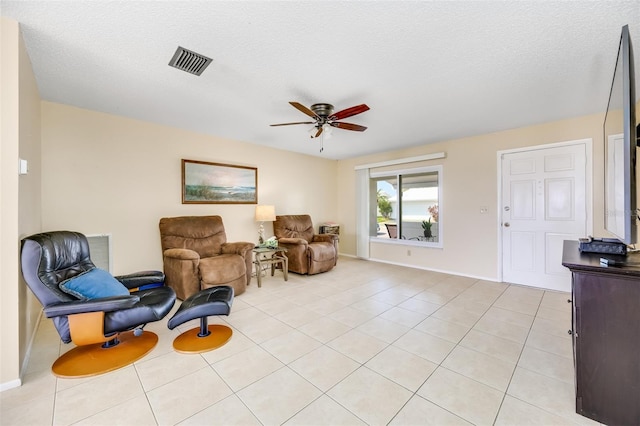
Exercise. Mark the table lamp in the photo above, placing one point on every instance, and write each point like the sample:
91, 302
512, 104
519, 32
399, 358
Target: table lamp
264, 213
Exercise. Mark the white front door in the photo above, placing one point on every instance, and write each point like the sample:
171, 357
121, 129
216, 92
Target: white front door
543, 204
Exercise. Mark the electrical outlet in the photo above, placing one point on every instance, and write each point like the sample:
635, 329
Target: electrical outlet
408, 252
484, 209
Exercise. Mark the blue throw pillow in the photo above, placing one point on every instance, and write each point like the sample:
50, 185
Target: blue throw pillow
93, 284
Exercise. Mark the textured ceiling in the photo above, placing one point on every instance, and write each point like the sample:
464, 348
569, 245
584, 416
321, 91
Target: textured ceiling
429, 70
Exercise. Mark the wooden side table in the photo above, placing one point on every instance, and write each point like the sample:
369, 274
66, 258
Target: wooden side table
265, 256
330, 229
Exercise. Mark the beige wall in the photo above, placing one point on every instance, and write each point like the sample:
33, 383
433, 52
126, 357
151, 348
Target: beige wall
98, 173
470, 180
20, 199
108, 174
29, 187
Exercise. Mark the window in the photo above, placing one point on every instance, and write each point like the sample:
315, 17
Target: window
393, 179
407, 205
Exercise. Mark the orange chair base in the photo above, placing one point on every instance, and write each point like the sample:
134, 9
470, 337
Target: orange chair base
91, 360
189, 342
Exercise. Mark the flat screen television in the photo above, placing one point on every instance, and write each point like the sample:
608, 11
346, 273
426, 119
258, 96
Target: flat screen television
620, 141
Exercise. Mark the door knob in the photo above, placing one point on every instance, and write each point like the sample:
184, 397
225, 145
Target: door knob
507, 224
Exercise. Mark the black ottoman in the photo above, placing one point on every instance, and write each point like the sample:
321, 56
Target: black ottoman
212, 301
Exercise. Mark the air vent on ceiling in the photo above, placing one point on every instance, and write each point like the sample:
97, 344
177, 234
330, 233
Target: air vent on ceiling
188, 61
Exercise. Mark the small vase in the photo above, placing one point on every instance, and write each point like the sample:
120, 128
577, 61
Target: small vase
427, 233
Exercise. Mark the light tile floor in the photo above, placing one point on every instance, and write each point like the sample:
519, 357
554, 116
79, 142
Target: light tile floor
366, 343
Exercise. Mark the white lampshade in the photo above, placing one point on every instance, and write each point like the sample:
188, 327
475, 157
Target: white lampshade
265, 213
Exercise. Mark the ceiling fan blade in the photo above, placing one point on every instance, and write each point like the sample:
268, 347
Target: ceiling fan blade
289, 124
304, 109
348, 126
349, 112
319, 132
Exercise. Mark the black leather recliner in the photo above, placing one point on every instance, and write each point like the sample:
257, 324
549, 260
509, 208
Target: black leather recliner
53, 258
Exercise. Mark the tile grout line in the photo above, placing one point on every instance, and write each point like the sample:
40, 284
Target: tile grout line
524, 344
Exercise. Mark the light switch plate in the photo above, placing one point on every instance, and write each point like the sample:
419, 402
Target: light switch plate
23, 167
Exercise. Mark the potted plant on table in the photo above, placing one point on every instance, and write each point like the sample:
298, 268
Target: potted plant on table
426, 227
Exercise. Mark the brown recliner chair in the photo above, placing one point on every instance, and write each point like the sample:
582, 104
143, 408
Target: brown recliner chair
308, 252
197, 256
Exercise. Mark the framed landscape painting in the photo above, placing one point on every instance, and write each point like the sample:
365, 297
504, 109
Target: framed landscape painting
215, 183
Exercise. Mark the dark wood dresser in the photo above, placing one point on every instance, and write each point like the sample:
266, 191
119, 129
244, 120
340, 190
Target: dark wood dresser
606, 335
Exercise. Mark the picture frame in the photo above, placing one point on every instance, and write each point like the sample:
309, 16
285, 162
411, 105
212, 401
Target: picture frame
217, 183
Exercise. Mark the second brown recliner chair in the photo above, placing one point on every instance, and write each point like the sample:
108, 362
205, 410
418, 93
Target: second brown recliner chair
308, 252
196, 255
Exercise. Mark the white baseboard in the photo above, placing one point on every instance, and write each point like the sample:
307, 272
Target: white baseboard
10, 385
27, 356
347, 255
492, 279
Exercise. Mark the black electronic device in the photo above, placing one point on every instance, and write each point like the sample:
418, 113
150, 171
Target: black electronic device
602, 245
620, 139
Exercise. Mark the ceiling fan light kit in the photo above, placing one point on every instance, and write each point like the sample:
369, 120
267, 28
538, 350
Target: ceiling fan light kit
324, 118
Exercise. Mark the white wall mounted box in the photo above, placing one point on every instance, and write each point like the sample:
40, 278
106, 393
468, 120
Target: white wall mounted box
23, 167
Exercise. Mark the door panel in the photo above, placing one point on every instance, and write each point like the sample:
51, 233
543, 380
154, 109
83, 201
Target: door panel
544, 203
557, 163
523, 199
553, 252
560, 197
524, 258
522, 166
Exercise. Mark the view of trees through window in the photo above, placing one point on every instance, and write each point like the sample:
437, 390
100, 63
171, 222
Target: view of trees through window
407, 205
